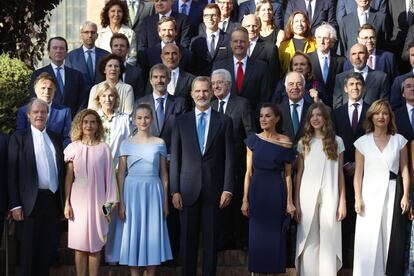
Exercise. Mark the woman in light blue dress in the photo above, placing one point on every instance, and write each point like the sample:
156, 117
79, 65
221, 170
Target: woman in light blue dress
143, 182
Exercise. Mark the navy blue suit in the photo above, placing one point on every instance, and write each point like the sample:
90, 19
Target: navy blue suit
58, 121
344, 7
384, 61
194, 17
396, 98
249, 7
76, 60
403, 123
148, 32
3, 180
324, 12
134, 76
74, 96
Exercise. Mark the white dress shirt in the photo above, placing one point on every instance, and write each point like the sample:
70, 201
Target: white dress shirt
155, 96
252, 44
167, 14
175, 73
225, 100
351, 108
187, 9
93, 55
410, 109
207, 117
321, 57
363, 72
216, 38
312, 7
299, 108
362, 15
235, 60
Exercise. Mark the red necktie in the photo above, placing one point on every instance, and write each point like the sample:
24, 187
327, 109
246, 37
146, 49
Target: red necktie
240, 76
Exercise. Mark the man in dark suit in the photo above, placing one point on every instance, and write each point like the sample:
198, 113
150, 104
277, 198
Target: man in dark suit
139, 10
35, 183
376, 82
348, 121
353, 21
71, 86
318, 12
210, 46
233, 230
344, 7
228, 17
401, 20
180, 84
147, 34
396, 99
294, 109
194, 12
404, 116
378, 59
201, 176
86, 58
325, 63
249, 76
59, 118
167, 31
249, 7
3, 181
261, 50
133, 75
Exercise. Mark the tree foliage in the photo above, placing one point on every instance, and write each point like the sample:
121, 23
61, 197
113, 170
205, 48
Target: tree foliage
23, 28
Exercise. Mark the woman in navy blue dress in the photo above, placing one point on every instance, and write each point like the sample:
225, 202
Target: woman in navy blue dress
267, 199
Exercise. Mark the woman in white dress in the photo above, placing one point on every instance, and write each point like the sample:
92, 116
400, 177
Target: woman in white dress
320, 196
380, 154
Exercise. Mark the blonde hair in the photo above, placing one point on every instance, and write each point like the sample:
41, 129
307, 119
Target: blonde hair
102, 88
375, 108
76, 132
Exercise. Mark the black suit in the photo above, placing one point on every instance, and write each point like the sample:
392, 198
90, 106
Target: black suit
229, 27
268, 53
376, 87
342, 124
234, 225
287, 126
194, 17
324, 12
41, 208
148, 32
74, 95
249, 7
3, 181
336, 64
201, 179
145, 9
134, 76
403, 123
203, 60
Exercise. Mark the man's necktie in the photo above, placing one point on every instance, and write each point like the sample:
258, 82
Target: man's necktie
295, 118
171, 85
184, 8
325, 70
240, 76
412, 118
309, 10
60, 80
201, 130
89, 65
221, 108
53, 179
131, 10
354, 123
160, 112
369, 62
212, 45
223, 26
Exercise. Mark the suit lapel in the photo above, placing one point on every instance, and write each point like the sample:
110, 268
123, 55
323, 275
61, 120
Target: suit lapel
154, 125
230, 106
191, 124
286, 114
212, 130
30, 154
257, 49
316, 12
168, 107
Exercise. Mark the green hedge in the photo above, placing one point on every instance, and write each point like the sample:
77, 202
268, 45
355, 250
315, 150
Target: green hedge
14, 90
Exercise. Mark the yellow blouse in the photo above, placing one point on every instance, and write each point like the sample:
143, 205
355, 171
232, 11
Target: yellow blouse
287, 50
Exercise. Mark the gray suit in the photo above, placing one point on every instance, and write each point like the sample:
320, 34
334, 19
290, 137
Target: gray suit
376, 87
145, 9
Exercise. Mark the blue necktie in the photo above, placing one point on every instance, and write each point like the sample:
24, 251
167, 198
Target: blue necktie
60, 80
325, 70
160, 112
53, 180
412, 118
184, 9
295, 118
90, 65
201, 130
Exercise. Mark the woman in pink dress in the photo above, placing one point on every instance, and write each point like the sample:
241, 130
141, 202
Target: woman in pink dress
91, 190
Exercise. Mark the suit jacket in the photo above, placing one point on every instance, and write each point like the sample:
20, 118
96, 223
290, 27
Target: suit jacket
396, 98
134, 76
193, 173
255, 86
203, 60
23, 179
335, 67
174, 106
3, 174
195, 15
344, 7
145, 9
349, 29
76, 60
343, 128
376, 87
409, 38
287, 127
148, 32
238, 110
384, 62
399, 25
403, 123
324, 12
229, 28
74, 95
268, 53
249, 7
59, 121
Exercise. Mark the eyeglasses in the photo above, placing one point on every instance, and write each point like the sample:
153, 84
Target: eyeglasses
220, 83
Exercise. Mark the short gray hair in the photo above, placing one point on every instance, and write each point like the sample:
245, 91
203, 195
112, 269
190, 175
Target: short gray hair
88, 23
36, 101
223, 72
326, 27
162, 67
294, 72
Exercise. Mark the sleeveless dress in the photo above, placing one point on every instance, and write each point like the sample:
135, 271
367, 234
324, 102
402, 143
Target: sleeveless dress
145, 238
268, 221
